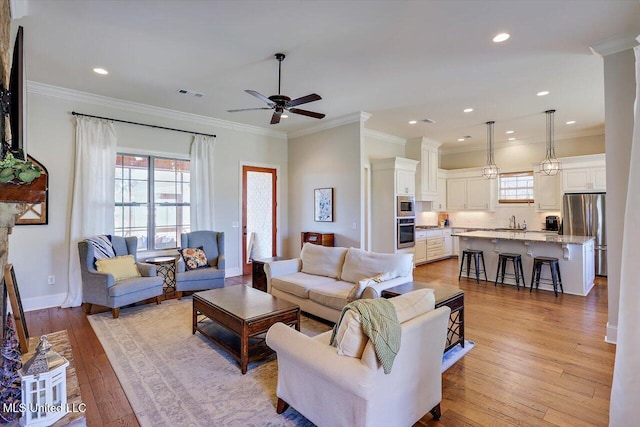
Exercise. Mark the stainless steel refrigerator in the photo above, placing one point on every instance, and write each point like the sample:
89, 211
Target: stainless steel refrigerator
583, 214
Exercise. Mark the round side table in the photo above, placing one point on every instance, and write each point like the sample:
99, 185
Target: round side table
166, 269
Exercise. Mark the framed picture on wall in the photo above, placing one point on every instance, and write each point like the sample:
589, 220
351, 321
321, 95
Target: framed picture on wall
323, 204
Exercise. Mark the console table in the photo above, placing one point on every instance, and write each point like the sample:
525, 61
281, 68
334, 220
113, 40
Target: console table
450, 296
323, 239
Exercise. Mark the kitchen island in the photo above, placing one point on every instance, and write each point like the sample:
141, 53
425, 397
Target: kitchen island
575, 255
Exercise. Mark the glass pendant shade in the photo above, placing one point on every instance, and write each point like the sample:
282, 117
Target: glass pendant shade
490, 171
550, 165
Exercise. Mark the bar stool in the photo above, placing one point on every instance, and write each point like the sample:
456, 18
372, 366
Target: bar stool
477, 256
554, 267
518, 272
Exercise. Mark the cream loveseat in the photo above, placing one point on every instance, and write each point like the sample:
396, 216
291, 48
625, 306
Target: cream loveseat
351, 390
324, 279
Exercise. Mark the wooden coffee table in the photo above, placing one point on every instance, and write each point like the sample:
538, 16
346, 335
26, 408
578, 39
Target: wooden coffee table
237, 317
450, 296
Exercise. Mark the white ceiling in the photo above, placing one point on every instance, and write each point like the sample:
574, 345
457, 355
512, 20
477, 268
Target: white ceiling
398, 60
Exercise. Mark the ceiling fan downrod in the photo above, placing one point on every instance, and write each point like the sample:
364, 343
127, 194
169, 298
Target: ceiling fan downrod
280, 57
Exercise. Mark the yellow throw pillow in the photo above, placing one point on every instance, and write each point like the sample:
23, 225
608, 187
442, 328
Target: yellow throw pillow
121, 267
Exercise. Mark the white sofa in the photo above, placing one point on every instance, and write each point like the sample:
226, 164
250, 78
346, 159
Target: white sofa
322, 279
354, 391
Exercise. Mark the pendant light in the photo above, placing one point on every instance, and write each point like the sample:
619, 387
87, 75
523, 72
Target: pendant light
550, 165
490, 171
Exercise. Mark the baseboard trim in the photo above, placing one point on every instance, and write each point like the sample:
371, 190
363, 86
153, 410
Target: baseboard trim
46, 301
612, 334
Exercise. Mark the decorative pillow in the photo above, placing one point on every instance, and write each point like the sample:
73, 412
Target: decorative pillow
322, 260
350, 338
121, 267
194, 258
358, 288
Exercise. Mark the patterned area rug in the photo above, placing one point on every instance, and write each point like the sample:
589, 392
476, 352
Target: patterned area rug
172, 377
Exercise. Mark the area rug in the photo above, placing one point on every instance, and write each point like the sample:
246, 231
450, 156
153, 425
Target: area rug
172, 377
456, 353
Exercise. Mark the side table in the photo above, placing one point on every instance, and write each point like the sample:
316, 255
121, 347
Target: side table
450, 296
166, 269
259, 278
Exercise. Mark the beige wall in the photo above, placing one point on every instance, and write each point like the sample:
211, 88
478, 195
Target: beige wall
379, 148
523, 155
619, 90
51, 141
328, 158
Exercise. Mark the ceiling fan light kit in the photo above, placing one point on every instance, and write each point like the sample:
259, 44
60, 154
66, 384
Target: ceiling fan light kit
490, 171
280, 103
550, 165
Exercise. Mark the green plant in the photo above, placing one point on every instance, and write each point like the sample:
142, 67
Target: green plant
18, 171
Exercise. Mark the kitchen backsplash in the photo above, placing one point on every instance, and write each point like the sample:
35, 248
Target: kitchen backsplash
496, 219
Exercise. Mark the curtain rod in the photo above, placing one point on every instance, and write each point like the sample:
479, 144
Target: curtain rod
141, 124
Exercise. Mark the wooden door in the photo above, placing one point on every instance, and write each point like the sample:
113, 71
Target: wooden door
258, 214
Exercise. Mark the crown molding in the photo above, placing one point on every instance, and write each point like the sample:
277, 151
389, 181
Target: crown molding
385, 137
89, 98
456, 150
614, 45
360, 116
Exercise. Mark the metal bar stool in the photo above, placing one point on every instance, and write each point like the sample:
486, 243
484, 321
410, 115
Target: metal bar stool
477, 256
554, 267
518, 272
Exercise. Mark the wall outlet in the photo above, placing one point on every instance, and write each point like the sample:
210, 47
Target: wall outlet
354, 225
51, 280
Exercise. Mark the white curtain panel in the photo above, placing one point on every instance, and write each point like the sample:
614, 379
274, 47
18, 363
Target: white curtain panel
202, 212
93, 200
625, 391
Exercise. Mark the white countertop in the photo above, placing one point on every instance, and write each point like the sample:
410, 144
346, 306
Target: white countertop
527, 237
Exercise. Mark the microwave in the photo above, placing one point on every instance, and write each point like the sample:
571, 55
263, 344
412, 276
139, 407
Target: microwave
406, 206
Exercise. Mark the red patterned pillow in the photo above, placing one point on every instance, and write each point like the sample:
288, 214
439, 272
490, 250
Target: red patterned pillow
194, 258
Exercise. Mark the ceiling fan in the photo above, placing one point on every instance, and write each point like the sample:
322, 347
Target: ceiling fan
280, 103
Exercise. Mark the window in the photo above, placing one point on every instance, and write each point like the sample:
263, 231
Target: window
152, 200
516, 187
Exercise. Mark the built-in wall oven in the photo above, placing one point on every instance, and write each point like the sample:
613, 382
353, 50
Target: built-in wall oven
406, 206
406, 232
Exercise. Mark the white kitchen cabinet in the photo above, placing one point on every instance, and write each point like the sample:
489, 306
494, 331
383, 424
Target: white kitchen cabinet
582, 174
589, 264
420, 256
547, 192
456, 194
405, 182
440, 204
447, 243
426, 178
473, 193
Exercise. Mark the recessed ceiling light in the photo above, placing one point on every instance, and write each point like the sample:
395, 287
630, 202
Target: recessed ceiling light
284, 116
468, 110
413, 122
501, 37
100, 71
460, 139
571, 122
543, 93
512, 139
509, 132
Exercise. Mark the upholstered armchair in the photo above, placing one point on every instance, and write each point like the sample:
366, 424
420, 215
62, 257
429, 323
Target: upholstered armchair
103, 289
334, 390
210, 277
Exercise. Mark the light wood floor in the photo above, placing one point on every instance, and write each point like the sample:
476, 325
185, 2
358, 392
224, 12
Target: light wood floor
538, 360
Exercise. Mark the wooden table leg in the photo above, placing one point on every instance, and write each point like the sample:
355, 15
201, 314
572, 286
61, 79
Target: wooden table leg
244, 349
194, 321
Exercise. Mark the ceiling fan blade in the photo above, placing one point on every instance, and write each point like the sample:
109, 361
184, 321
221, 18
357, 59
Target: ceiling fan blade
275, 119
307, 113
261, 97
248, 109
304, 99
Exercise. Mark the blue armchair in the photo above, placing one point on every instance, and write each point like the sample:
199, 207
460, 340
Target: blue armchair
102, 288
211, 277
